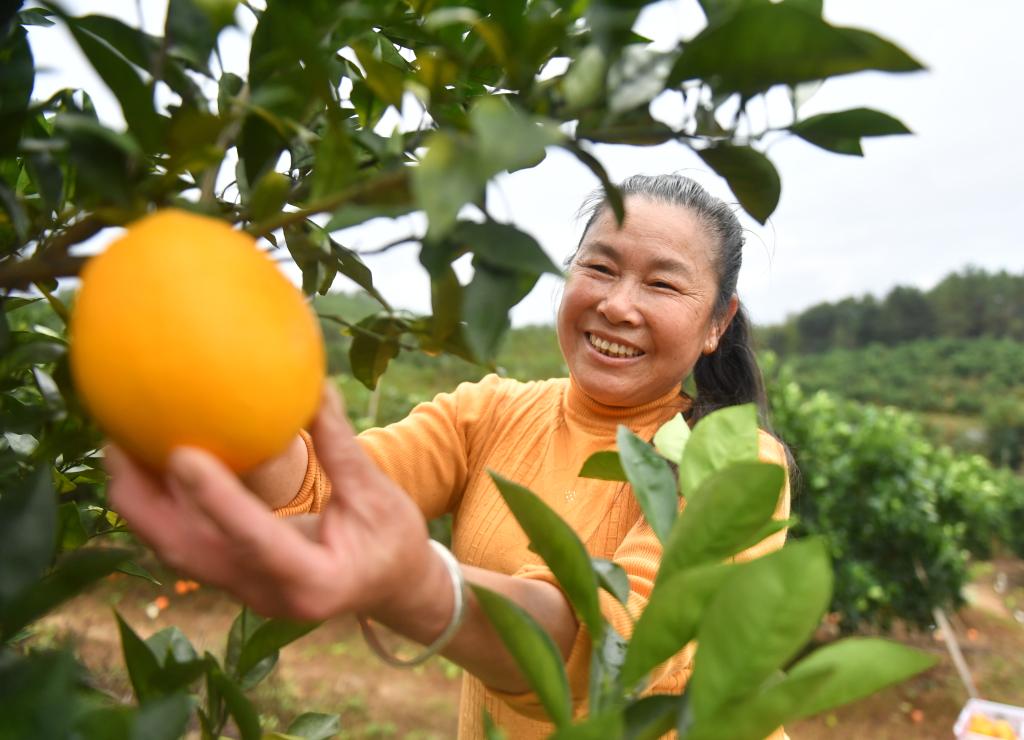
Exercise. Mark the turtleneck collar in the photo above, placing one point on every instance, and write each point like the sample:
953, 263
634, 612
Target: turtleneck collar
581, 408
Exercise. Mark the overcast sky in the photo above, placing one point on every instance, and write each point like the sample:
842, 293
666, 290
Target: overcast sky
909, 212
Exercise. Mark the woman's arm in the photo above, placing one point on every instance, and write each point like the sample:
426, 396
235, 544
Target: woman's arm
366, 553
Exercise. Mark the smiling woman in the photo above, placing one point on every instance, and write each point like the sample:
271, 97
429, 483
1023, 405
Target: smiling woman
648, 302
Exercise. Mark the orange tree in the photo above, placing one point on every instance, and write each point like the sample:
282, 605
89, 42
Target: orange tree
496, 84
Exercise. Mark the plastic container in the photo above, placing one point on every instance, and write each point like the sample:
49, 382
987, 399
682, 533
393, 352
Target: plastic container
984, 720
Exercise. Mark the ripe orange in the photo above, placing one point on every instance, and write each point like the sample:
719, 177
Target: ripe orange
184, 333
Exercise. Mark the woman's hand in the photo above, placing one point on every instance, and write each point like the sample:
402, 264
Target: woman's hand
367, 552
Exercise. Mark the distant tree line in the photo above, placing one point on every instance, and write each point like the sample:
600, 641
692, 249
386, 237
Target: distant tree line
965, 305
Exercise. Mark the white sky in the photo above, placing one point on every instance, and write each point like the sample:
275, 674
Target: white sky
909, 212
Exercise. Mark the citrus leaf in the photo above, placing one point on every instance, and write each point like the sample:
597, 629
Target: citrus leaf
752, 177
28, 523
654, 485
603, 465
726, 436
842, 131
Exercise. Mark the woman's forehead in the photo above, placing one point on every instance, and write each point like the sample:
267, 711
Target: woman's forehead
665, 231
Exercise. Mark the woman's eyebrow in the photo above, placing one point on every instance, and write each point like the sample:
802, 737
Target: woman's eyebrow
661, 264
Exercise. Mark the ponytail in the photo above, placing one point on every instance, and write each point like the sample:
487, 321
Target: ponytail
729, 375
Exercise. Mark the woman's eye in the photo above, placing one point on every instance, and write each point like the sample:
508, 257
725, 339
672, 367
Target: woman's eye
662, 285
603, 269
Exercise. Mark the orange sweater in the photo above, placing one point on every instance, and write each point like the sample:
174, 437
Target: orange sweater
537, 434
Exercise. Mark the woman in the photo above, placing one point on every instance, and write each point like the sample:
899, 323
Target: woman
645, 304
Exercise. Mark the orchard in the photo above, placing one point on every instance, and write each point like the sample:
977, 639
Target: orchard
286, 156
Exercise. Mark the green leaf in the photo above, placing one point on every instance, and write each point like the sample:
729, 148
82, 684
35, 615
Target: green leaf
603, 465
139, 659
164, 718
729, 509
486, 302
504, 247
842, 131
190, 34
654, 485
534, 651
28, 524
752, 177
349, 264
268, 196
613, 195
371, 351
71, 531
446, 179
600, 726
741, 646
651, 717
671, 618
336, 165
15, 87
135, 570
605, 663
267, 640
637, 77
856, 667
134, 96
508, 139
559, 547
766, 44
726, 436
758, 714
315, 726
36, 694
386, 80
671, 438
612, 578
584, 82
238, 705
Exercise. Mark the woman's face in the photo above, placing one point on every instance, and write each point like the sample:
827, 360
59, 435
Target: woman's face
637, 311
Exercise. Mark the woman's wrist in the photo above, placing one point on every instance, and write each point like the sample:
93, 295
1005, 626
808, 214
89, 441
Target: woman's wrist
278, 480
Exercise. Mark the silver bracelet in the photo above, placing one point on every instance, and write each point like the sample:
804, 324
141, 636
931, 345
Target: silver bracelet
458, 615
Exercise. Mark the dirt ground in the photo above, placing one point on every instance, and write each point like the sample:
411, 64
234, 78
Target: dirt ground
331, 670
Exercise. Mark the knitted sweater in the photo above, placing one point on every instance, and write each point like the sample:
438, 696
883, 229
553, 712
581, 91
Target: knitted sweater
537, 434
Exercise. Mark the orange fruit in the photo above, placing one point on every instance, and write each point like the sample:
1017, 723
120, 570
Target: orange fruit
184, 333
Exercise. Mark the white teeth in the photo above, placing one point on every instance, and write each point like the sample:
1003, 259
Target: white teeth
612, 349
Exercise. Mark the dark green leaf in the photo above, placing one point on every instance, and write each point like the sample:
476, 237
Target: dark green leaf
765, 44
190, 33
267, 640
351, 266
164, 718
37, 693
139, 659
135, 96
238, 705
315, 726
726, 436
15, 212
654, 485
35, 17
259, 146
504, 247
856, 667
842, 131
28, 525
612, 578
228, 88
48, 178
268, 196
486, 301
740, 646
603, 465
71, 531
135, 570
651, 717
16, 84
534, 651
752, 177
370, 354
670, 619
445, 303
729, 509
612, 194
336, 165
386, 80
559, 547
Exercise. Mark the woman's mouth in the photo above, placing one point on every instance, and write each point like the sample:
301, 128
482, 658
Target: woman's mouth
612, 349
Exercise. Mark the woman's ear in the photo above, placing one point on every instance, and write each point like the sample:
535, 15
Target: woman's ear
719, 326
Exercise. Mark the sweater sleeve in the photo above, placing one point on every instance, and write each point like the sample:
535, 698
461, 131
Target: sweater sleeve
428, 453
639, 554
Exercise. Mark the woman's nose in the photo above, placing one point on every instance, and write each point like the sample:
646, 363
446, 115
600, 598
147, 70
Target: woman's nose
619, 304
